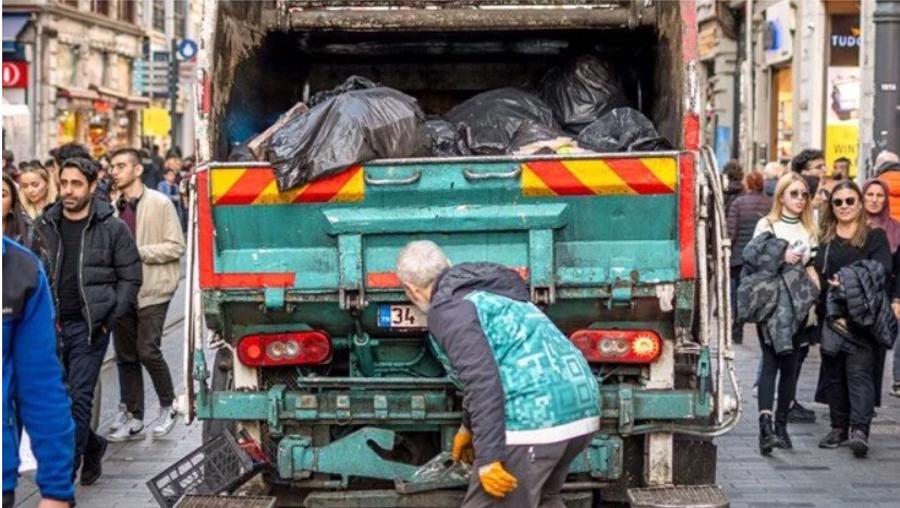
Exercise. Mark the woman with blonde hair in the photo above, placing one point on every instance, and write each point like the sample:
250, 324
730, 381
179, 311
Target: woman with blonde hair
37, 189
791, 220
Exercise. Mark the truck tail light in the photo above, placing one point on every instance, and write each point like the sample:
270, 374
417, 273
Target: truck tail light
277, 349
618, 346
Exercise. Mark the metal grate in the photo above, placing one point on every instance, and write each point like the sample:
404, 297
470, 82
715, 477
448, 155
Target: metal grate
271, 376
686, 496
226, 502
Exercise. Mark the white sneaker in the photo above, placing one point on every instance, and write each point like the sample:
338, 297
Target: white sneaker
131, 430
120, 419
168, 418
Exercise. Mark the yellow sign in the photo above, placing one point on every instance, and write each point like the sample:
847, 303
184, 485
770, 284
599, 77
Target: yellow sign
156, 122
842, 140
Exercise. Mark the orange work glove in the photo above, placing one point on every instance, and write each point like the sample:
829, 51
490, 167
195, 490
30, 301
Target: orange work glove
462, 446
496, 481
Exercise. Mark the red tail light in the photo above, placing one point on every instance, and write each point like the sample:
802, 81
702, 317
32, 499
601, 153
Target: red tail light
618, 346
275, 349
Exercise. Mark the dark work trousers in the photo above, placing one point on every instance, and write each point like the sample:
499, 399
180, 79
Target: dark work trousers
9, 499
780, 366
82, 359
540, 470
137, 343
848, 385
737, 330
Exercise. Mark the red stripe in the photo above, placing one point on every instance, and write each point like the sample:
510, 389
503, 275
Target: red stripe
248, 187
389, 280
637, 176
382, 280
558, 177
205, 230
686, 227
326, 189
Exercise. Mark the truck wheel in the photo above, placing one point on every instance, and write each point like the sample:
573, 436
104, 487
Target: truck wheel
222, 380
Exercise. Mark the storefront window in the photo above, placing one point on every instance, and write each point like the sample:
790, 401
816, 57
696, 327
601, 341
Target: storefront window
842, 92
782, 113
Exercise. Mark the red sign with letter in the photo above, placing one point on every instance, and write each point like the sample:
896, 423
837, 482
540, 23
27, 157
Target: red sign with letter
15, 74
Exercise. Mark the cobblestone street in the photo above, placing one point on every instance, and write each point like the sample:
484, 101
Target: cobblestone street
807, 476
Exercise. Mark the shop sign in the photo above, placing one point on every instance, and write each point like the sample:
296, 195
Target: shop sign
156, 122
778, 33
15, 74
845, 40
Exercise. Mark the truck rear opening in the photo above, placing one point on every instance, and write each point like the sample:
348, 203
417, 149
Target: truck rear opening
262, 73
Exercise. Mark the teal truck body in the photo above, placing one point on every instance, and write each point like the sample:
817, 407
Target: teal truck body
318, 353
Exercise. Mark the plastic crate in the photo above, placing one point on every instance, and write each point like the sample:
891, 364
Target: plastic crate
219, 466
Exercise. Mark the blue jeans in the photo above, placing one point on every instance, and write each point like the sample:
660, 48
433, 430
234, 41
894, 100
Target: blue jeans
82, 359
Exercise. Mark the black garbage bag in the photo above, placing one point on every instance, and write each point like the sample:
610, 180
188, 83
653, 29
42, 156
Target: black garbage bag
241, 153
444, 138
622, 130
347, 129
582, 90
489, 122
349, 84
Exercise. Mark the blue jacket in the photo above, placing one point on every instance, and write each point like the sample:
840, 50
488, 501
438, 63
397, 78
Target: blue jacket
33, 392
524, 382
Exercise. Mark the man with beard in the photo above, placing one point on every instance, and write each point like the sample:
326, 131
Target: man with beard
95, 275
152, 219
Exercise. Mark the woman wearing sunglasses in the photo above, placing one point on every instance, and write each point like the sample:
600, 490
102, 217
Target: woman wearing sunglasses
791, 220
847, 378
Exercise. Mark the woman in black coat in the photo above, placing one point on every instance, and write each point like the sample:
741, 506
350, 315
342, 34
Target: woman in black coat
847, 378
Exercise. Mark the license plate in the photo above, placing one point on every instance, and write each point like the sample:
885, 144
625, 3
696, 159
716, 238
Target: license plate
401, 316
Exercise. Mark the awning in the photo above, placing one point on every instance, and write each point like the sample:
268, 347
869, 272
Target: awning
121, 100
13, 24
79, 98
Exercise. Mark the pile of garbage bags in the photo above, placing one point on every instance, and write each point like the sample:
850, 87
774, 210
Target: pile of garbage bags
577, 107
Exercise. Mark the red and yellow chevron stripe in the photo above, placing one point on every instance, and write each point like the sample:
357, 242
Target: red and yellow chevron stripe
256, 186
593, 177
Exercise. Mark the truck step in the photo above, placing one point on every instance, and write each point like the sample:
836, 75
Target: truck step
192, 501
682, 496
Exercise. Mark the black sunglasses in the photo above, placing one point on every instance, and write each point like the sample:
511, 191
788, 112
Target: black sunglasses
796, 194
838, 202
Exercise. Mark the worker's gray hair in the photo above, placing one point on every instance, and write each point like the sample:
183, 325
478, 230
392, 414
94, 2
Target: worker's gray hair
420, 263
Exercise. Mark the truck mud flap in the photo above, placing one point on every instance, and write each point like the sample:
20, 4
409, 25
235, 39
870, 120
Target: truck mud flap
696, 496
434, 499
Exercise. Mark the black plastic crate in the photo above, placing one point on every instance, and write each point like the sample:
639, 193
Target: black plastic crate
219, 466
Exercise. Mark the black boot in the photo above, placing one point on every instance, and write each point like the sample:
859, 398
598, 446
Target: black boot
859, 443
782, 433
92, 465
768, 440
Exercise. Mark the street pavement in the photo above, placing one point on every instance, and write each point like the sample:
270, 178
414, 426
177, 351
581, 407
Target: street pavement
806, 477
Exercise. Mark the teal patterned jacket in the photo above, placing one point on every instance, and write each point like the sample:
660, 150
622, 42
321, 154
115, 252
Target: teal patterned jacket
523, 380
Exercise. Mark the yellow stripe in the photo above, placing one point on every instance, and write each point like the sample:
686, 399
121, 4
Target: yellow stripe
532, 186
599, 177
271, 196
221, 181
353, 190
664, 168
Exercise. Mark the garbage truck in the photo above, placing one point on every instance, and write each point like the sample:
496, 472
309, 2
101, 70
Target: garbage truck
300, 344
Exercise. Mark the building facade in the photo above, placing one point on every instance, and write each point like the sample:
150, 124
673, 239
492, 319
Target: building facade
81, 58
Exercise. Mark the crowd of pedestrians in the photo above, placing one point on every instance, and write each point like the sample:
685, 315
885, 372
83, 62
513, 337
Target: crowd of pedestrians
91, 255
816, 263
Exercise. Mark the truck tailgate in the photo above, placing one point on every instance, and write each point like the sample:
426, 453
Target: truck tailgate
567, 224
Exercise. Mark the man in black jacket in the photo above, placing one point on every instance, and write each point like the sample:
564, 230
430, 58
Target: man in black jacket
95, 274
